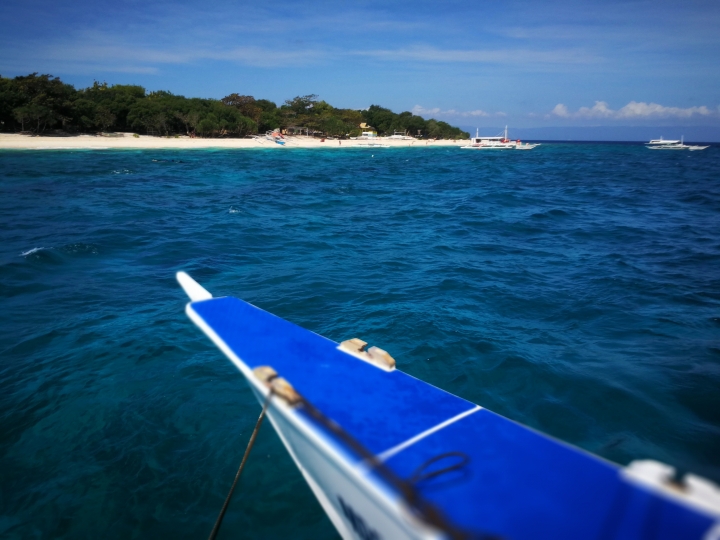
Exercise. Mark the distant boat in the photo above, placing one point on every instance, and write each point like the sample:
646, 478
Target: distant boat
400, 136
390, 457
372, 145
662, 144
498, 142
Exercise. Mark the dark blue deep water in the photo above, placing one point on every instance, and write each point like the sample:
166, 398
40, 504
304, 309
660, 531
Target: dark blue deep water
574, 288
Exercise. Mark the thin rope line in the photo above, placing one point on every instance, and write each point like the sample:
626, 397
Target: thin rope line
219, 520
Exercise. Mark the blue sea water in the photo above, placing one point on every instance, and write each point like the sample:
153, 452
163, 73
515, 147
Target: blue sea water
574, 288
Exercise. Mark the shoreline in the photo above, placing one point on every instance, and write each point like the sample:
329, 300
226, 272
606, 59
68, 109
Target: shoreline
13, 141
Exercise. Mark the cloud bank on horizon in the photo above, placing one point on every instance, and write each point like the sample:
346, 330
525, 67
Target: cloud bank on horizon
527, 63
633, 110
437, 111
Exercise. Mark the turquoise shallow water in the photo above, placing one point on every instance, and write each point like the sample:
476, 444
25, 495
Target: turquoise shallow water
574, 288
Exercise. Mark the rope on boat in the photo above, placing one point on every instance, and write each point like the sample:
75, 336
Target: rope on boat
420, 475
423, 509
219, 520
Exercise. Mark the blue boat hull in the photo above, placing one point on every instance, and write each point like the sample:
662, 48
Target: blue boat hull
514, 482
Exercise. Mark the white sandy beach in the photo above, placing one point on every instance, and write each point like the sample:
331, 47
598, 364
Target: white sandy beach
128, 140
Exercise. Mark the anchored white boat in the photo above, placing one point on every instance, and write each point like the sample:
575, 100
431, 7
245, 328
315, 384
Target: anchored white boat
372, 145
499, 142
390, 457
662, 144
400, 136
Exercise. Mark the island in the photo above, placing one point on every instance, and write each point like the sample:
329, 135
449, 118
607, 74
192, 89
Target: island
33, 106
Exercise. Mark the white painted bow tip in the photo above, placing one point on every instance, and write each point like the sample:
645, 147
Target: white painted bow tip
192, 288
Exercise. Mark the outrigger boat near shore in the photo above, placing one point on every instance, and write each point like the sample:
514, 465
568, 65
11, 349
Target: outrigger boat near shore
275, 136
390, 457
372, 145
499, 142
400, 136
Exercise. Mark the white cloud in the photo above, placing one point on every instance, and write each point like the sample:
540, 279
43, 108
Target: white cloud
599, 110
642, 110
141, 55
437, 111
420, 110
633, 110
92, 51
561, 111
423, 53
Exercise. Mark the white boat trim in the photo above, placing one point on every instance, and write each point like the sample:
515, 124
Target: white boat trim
387, 454
320, 495
192, 288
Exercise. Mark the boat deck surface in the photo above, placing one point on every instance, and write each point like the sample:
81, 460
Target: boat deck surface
517, 483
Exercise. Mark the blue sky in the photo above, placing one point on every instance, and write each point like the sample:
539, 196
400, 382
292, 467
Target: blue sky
475, 62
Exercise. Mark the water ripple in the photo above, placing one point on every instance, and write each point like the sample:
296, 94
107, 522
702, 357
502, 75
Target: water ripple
573, 288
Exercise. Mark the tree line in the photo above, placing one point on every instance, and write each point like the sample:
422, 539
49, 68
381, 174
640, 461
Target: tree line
40, 104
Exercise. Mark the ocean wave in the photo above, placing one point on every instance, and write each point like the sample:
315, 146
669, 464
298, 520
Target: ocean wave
76, 248
79, 248
572, 289
32, 251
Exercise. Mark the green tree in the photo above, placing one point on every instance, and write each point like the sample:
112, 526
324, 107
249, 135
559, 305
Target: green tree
301, 104
42, 101
270, 117
84, 111
104, 117
209, 125
37, 116
269, 120
117, 99
266, 105
22, 115
380, 118
148, 115
247, 105
350, 116
10, 99
193, 119
231, 121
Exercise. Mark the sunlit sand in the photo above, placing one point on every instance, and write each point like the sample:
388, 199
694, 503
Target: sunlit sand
129, 140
